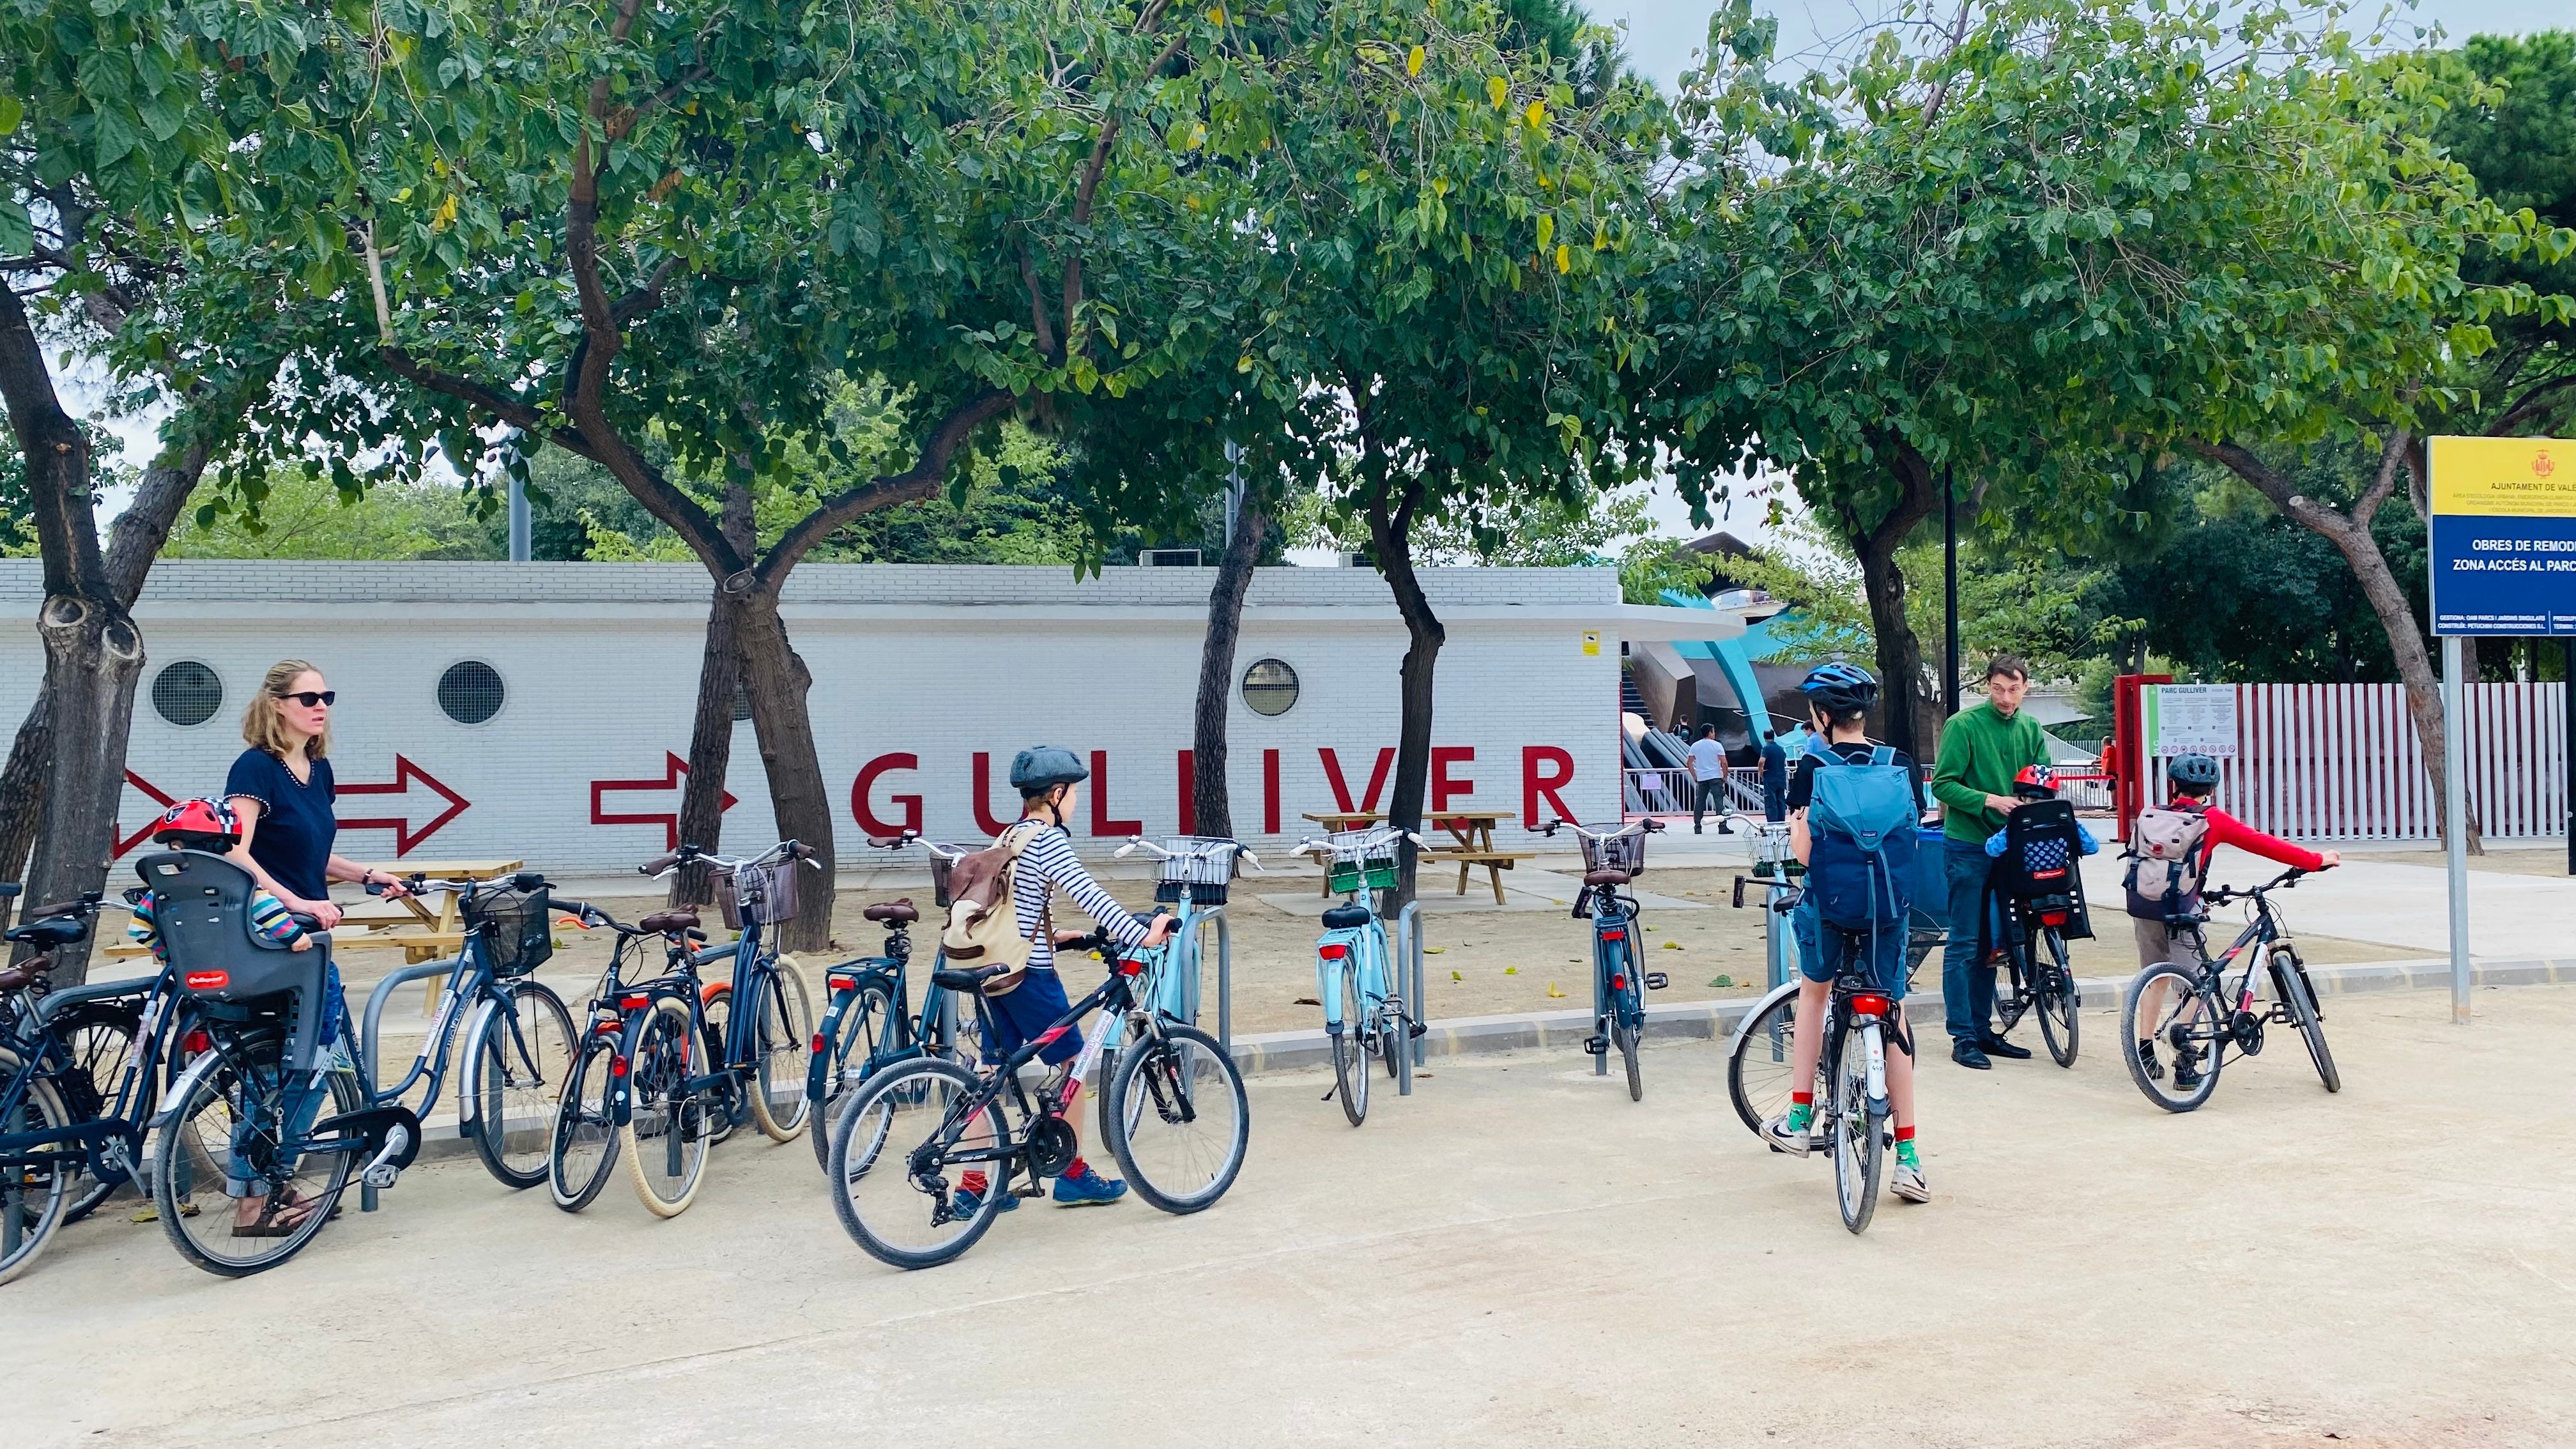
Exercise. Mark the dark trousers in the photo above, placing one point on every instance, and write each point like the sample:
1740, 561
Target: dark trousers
1709, 790
1967, 982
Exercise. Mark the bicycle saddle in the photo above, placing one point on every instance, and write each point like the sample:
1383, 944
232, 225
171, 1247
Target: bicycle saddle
17, 977
682, 918
50, 932
1605, 877
967, 978
1344, 917
897, 913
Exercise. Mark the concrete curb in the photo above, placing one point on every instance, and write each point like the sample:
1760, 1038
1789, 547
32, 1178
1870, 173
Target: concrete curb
1288, 1051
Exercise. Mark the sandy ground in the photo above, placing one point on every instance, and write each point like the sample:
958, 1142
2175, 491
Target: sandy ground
1516, 1255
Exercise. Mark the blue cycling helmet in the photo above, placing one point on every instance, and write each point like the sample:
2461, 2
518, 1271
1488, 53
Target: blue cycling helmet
2198, 771
1840, 688
1041, 768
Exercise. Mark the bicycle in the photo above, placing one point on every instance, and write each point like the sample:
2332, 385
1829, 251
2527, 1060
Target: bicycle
1850, 1086
2041, 983
904, 1129
1193, 877
700, 1061
81, 1073
582, 1148
1355, 976
2200, 1014
868, 1019
1612, 857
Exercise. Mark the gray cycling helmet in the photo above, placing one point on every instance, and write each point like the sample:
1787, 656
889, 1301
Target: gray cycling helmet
1041, 768
2197, 771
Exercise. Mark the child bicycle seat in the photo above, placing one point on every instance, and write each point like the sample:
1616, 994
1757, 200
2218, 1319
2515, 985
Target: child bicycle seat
201, 907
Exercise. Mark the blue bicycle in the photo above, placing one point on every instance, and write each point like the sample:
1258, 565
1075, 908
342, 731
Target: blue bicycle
868, 1021
1612, 857
1355, 976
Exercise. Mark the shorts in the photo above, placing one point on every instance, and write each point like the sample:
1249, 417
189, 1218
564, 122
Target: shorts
1834, 945
2159, 943
1022, 1016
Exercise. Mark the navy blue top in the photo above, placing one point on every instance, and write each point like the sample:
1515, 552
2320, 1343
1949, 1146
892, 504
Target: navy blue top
296, 821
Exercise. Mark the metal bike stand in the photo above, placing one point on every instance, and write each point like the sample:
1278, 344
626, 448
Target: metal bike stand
1408, 955
1195, 972
366, 1053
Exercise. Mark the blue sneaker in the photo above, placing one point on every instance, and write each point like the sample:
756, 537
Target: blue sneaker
962, 1204
1088, 1189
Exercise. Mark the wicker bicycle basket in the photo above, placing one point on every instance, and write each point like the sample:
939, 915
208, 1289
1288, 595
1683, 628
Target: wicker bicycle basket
1624, 852
1361, 857
1201, 866
517, 928
762, 893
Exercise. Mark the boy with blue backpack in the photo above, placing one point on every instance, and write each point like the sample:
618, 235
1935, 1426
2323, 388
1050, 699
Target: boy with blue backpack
1853, 811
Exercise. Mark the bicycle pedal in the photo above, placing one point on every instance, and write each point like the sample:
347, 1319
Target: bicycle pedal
1596, 1046
1657, 981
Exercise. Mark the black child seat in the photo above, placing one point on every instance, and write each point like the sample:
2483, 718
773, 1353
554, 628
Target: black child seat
2042, 863
201, 907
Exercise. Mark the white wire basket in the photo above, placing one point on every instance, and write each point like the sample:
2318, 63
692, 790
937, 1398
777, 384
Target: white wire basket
1204, 864
1623, 851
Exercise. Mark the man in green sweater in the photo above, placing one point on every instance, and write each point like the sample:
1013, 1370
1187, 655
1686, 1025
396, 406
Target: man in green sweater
1982, 749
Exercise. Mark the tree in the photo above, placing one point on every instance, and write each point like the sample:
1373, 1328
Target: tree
688, 222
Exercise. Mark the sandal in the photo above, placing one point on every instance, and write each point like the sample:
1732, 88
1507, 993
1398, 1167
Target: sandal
280, 1217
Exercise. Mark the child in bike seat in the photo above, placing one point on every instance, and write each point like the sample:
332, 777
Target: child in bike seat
2178, 839
210, 826
2039, 782
1050, 784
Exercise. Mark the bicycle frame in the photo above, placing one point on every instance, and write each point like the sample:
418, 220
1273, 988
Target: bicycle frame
1618, 985
111, 1143
1115, 998
1361, 949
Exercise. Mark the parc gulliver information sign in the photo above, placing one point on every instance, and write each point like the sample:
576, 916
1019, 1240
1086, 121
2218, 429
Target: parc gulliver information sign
2503, 538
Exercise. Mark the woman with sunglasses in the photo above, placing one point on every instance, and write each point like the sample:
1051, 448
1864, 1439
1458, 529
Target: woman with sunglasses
281, 788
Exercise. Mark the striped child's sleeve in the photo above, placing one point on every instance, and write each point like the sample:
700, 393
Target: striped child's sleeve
142, 929
270, 922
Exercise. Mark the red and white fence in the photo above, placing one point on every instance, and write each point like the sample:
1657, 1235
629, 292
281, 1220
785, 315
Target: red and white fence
2341, 762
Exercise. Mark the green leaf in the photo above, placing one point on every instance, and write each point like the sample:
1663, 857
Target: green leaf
17, 234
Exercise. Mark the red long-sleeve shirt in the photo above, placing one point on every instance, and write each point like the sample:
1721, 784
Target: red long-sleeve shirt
2226, 829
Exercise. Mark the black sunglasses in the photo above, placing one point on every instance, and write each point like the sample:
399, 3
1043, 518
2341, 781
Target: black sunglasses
311, 697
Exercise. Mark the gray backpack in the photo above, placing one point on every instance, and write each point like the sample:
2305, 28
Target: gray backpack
2165, 859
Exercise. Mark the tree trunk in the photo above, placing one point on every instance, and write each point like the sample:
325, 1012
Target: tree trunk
1391, 534
1908, 715
22, 794
711, 732
93, 656
777, 681
1212, 805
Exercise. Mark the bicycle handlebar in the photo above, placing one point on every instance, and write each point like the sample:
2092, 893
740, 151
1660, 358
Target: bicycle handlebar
2228, 895
10, 888
86, 905
1213, 847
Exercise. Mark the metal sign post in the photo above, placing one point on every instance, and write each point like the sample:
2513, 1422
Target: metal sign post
2502, 551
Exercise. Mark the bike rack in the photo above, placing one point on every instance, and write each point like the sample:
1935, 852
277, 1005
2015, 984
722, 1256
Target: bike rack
366, 1052
1195, 971
1408, 954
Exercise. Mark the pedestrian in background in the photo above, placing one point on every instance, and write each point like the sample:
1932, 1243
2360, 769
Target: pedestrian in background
1708, 775
1982, 750
1775, 780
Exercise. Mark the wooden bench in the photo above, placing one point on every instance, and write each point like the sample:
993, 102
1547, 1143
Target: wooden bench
1495, 862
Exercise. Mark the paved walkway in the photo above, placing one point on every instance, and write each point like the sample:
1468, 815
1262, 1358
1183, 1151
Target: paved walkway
1516, 1255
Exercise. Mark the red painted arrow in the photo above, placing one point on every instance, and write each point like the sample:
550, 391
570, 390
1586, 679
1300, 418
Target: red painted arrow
674, 771
406, 774
152, 793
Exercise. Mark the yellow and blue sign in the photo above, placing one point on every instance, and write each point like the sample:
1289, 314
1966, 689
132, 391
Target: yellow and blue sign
2503, 536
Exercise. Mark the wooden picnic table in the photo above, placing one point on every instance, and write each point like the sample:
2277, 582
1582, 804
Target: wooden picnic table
1472, 829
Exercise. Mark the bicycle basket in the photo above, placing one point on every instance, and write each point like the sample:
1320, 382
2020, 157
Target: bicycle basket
517, 928
1204, 863
1624, 852
762, 893
1361, 857
940, 865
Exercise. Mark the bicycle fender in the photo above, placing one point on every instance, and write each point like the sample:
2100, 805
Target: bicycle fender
182, 1089
1759, 1010
469, 1096
818, 1070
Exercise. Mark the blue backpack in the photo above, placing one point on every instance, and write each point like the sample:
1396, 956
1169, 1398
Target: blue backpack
1861, 829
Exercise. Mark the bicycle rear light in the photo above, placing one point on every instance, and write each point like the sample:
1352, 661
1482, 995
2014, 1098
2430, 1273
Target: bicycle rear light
842, 983
1334, 952
195, 1042
1618, 935
1869, 1003
617, 1066
817, 1048
633, 1003
1619, 981
1132, 966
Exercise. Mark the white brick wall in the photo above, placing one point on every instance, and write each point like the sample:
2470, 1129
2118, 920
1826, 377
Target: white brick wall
939, 663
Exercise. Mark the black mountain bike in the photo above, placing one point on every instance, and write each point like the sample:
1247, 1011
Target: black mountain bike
2040, 980
2197, 1016
1175, 1113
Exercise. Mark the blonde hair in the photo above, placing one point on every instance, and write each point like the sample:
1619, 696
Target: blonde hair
261, 725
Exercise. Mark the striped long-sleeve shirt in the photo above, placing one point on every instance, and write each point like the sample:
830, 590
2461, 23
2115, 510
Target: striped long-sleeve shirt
1047, 865
268, 920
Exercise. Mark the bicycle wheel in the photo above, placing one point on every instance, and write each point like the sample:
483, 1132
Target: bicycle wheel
1628, 1023
1350, 1056
848, 1055
1757, 1065
582, 1149
782, 1043
2290, 979
2186, 1019
2057, 1000
520, 1054
221, 1183
668, 1129
1179, 1119
729, 1108
99, 1040
896, 1169
35, 1191
1859, 1142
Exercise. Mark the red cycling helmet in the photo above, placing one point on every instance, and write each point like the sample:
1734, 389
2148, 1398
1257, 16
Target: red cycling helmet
200, 818
2035, 780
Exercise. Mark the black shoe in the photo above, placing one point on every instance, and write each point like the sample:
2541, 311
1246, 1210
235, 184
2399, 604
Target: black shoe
1695, 830
1998, 1047
2187, 1069
1969, 1054
2147, 1062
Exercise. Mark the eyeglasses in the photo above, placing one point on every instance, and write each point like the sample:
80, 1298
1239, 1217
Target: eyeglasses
311, 697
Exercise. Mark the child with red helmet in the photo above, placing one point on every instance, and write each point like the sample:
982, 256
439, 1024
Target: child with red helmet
210, 826
2039, 782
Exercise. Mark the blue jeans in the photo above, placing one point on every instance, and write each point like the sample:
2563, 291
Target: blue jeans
299, 1100
1967, 982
